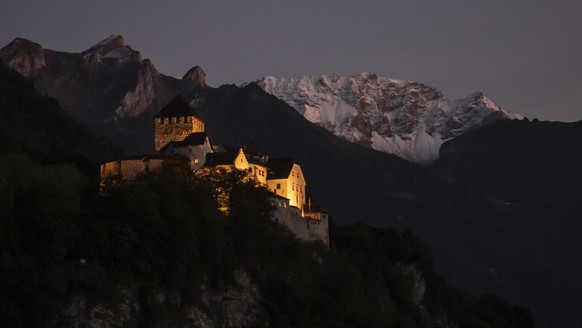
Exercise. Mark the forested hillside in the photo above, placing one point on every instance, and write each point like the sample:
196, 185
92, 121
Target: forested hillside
157, 252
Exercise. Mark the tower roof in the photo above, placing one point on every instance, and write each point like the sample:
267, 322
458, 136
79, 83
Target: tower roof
178, 107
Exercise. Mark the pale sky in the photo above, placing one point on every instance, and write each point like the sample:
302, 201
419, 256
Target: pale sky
525, 55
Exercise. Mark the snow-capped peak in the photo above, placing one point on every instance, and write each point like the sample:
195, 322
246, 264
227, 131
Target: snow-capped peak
405, 118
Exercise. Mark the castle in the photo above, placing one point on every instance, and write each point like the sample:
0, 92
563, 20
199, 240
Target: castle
179, 130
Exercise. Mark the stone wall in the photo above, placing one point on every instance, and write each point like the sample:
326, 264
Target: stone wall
168, 129
304, 228
129, 168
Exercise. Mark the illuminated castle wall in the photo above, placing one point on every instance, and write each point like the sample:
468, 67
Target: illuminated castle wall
312, 227
179, 130
286, 179
175, 122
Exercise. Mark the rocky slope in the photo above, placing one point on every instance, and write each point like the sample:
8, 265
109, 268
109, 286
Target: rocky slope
235, 305
408, 119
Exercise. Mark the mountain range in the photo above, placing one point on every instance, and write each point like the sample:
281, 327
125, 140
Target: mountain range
408, 119
109, 86
498, 207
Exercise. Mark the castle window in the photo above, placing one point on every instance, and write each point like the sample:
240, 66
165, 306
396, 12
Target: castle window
278, 186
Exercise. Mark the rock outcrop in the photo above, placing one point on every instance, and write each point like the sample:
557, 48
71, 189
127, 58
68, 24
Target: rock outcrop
193, 79
109, 86
237, 305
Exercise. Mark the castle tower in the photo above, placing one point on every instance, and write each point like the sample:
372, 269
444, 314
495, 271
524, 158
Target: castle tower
175, 122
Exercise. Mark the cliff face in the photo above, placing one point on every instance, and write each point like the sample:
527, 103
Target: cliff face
24, 56
408, 119
108, 86
237, 305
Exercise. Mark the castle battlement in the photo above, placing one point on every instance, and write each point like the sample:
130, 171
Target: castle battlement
175, 122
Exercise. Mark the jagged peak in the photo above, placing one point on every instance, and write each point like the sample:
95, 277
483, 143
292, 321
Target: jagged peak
108, 44
112, 47
114, 41
24, 56
476, 95
21, 43
333, 78
194, 78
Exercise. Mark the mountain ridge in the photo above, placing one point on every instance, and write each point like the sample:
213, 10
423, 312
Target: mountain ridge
405, 118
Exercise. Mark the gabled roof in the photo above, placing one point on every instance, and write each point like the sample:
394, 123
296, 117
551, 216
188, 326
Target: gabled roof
279, 168
193, 139
178, 107
222, 158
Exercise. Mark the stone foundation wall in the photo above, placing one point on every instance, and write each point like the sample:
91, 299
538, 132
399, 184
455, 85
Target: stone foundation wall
128, 169
303, 227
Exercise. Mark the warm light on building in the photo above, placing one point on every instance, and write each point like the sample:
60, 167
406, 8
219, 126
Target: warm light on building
286, 179
176, 121
178, 130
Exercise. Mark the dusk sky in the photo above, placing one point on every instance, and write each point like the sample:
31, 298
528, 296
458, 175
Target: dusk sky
524, 55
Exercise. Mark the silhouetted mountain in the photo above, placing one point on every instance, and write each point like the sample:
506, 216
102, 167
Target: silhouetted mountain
519, 161
534, 170
34, 126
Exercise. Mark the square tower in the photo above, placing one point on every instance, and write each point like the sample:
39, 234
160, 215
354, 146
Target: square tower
175, 122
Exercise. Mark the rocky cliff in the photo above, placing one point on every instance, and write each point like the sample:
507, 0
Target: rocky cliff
235, 305
108, 86
408, 119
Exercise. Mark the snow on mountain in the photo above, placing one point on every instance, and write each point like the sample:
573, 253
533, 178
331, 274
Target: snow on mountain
408, 119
